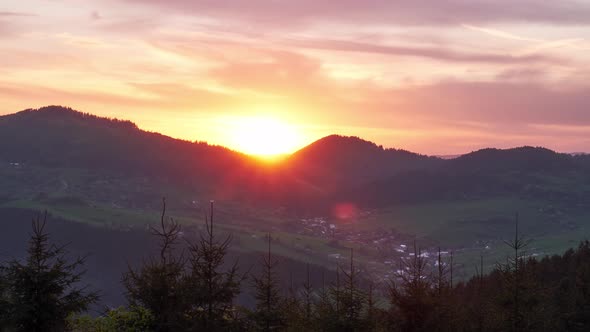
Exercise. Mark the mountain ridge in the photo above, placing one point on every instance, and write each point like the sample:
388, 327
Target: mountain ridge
334, 168
47, 112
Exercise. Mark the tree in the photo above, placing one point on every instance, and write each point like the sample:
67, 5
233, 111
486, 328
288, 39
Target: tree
120, 319
293, 309
307, 301
268, 314
211, 290
410, 297
478, 309
578, 296
327, 303
343, 306
4, 304
43, 291
442, 295
160, 284
519, 302
353, 300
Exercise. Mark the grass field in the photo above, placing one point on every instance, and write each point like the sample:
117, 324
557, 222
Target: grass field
466, 226
470, 228
246, 239
461, 223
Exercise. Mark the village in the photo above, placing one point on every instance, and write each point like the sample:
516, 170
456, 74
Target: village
383, 254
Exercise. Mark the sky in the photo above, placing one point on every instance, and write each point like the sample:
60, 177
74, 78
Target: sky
435, 77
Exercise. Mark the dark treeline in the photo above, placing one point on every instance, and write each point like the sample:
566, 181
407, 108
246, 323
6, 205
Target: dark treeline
308, 182
190, 287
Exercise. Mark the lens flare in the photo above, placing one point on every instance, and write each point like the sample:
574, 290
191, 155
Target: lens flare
265, 137
345, 211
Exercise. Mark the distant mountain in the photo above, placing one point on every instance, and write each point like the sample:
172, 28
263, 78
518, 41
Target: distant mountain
448, 156
524, 159
525, 172
337, 161
55, 136
334, 168
60, 137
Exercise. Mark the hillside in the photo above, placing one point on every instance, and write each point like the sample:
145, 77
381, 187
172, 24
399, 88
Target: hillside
338, 161
522, 172
61, 137
524, 159
55, 137
332, 169
109, 173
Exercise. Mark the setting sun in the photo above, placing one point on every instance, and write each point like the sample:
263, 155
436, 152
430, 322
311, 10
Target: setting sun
265, 137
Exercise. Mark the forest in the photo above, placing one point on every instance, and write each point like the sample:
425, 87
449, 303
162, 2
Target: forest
188, 287
216, 279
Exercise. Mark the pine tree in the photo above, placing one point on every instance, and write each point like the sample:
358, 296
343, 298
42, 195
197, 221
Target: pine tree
326, 308
268, 314
519, 303
211, 290
41, 292
160, 284
342, 307
478, 310
442, 296
372, 319
579, 320
353, 300
410, 296
293, 308
307, 302
4, 304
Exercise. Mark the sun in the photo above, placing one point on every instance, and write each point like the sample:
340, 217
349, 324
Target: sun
265, 136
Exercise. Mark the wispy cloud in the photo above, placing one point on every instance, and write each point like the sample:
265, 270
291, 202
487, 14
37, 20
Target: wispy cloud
437, 53
433, 76
396, 12
15, 14
500, 33
536, 46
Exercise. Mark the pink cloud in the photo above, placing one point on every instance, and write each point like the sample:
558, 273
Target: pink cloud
515, 97
14, 14
222, 56
275, 72
485, 106
176, 95
41, 95
393, 12
436, 53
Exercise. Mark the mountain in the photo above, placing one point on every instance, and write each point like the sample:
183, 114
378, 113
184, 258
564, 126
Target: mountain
334, 162
338, 192
56, 137
524, 159
61, 137
334, 168
525, 172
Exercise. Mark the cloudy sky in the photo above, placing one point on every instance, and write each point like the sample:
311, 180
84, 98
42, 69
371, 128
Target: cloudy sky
436, 77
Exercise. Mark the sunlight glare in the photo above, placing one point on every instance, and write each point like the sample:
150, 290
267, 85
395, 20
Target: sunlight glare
265, 136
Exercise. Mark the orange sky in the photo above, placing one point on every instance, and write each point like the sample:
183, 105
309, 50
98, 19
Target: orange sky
436, 77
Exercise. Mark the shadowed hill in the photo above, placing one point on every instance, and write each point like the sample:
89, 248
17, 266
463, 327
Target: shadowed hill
61, 137
331, 169
524, 172
335, 161
523, 159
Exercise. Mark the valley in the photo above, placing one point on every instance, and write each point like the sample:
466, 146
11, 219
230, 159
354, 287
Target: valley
465, 206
